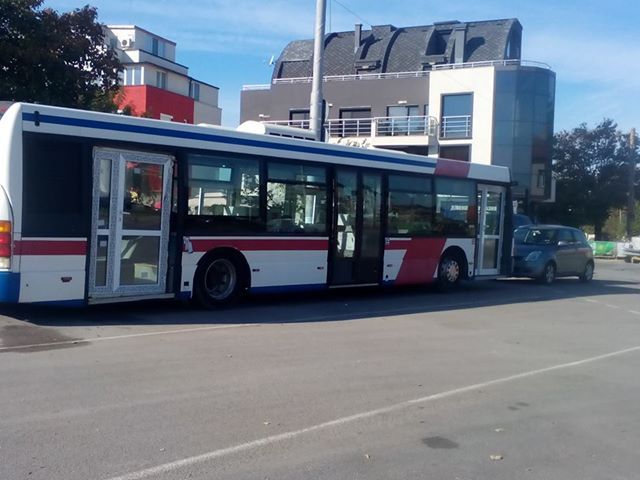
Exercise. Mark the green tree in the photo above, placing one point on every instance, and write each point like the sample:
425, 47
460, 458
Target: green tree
590, 171
53, 58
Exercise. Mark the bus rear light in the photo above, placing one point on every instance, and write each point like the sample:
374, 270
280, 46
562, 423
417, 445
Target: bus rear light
5, 244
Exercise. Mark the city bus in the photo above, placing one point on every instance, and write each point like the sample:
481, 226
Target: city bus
98, 208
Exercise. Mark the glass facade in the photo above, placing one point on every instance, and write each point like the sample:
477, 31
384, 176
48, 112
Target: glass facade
523, 127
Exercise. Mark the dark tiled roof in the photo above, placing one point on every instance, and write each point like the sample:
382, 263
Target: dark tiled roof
386, 48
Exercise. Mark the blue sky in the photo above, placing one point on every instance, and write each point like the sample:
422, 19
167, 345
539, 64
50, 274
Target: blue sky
593, 46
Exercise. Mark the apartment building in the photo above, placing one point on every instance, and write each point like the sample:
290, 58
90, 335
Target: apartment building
154, 85
451, 89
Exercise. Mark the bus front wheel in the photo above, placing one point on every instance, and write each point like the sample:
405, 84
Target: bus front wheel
449, 272
219, 282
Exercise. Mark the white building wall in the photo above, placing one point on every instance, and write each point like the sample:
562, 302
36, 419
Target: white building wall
208, 94
204, 113
175, 83
480, 82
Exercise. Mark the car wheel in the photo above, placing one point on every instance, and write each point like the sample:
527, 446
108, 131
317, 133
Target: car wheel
587, 274
449, 272
548, 275
218, 282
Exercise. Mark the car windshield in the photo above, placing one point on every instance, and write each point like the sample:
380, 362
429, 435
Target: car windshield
535, 236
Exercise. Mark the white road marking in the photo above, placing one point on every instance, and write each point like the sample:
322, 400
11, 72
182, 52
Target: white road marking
131, 335
635, 312
590, 300
205, 457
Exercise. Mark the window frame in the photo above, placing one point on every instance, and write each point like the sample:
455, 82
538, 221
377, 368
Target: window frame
442, 115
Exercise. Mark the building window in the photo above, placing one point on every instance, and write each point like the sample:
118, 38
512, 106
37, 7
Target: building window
540, 179
402, 120
402, 111
157, 47
194, 93
410, 205
299, 118
456, 211
456, 116
354, 122
455, 152
133, 76
161, 80
224, 193
296, 199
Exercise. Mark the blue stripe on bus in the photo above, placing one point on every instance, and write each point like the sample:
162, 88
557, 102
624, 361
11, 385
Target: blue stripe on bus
289, 288
209, 137
9, 287
62, 303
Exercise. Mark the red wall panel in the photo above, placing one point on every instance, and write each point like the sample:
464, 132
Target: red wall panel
152, 101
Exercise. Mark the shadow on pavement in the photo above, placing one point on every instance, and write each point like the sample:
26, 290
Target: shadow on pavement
333, 305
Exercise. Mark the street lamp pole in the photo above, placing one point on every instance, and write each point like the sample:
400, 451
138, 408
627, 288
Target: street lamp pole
631, 200
316, 123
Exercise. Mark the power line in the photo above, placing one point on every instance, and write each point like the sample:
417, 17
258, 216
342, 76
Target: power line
353, 13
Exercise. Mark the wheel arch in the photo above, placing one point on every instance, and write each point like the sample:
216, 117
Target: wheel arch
233, 254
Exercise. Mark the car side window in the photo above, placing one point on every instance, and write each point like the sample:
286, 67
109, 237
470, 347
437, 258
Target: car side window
565, 236
575, 237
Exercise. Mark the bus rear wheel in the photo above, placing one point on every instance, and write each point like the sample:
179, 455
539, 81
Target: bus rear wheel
219, 282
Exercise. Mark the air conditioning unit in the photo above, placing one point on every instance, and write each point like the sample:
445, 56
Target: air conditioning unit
126, 42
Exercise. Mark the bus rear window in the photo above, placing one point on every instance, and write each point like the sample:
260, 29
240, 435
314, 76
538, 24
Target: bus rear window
56, 188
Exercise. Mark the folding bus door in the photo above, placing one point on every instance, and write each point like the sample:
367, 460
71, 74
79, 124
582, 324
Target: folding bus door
357, 228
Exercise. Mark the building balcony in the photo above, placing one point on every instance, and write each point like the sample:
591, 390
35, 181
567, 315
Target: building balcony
377, 131
455, 126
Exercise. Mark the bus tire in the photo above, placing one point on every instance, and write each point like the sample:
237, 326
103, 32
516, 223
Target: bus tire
450, 271
219, 281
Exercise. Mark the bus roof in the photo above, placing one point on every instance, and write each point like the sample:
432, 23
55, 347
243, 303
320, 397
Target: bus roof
112, 127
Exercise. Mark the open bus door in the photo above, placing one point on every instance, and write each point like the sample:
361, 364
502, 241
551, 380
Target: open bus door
130, 223
491, 219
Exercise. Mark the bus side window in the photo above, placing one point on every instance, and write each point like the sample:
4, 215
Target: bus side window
296, 199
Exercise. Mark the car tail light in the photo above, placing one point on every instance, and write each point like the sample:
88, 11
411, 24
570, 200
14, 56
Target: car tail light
5, 244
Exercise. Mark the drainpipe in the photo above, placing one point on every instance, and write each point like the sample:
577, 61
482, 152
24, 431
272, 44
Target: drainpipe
315, 111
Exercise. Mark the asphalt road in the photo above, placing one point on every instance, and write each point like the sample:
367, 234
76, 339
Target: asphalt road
501, 380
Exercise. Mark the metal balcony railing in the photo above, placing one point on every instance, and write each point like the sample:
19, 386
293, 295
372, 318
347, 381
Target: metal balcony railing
411, 125
456, 126
414, 74
372, 127
350, 127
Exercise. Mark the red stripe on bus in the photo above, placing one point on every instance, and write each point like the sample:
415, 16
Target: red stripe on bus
51, 247
204, 245
452, 168
420, 260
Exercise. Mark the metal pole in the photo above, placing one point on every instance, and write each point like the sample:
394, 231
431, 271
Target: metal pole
315, 111
631, 201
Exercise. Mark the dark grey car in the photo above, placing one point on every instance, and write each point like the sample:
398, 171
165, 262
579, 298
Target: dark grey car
545, 252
